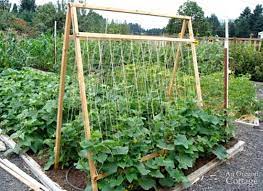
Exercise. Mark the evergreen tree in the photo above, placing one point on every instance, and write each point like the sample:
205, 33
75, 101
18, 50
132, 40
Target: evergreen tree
15, 9
4, 5
200, 24
215, 25
243, 24
257, 20
28, 5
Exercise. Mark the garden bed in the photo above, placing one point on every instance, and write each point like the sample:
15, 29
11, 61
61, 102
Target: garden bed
65, 177
184, 131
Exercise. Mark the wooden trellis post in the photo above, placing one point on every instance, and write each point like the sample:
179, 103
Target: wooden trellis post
72, 22
176, 62
62, 85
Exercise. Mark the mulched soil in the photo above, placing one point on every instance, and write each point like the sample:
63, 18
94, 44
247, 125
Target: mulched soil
68, 178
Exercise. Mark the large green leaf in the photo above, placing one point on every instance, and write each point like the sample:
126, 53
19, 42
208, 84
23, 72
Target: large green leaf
166, 182
120, 150
146, 183
182, 140
141, 168
156, 174
110, 168
184, 160
220, 152
101, 157
161, 144
131, 176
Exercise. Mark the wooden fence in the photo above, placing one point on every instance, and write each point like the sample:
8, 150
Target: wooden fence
256, 42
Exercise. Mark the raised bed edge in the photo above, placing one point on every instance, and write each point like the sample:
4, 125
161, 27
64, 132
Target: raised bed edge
33, 166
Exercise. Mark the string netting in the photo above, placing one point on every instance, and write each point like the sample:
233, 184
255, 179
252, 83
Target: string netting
126, 87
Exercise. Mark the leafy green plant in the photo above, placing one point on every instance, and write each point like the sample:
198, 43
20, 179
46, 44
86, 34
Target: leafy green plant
242, 94
28, 111
246, 60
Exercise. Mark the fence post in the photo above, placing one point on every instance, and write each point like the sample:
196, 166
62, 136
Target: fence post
226, 68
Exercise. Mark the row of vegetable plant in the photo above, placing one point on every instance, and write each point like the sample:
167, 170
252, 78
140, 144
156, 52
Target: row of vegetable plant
28, 113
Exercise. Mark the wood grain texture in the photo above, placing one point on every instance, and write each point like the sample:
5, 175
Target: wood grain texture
196, 72
84, 104
33, 166
139, 12
176, 62
103, 36
62, 87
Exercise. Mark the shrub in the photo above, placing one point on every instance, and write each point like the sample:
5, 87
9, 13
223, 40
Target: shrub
246, 60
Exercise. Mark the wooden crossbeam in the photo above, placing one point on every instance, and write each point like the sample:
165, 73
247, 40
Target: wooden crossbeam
153, 155
103, 36
95, 7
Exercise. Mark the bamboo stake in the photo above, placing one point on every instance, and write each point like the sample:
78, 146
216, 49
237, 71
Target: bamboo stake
62, 86
176, 62
197, 78
85, 113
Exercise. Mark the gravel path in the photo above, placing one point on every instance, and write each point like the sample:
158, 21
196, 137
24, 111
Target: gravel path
7, 181
245, 171
242, 173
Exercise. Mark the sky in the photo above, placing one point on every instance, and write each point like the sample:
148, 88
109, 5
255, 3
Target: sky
230, 9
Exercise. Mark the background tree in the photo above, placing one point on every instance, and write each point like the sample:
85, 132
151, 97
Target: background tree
4, 5
232, 28
154, 31
45, 17
257, 20
243, 23
135, 28
215, 26
91, 22
200, 24
118, 28
28, 5
27, 9
15, 9
174, 26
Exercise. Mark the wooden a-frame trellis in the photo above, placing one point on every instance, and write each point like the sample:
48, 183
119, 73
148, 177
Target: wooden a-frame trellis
72, 22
